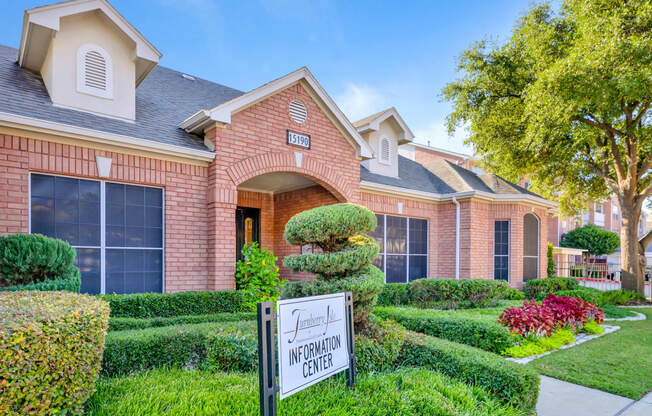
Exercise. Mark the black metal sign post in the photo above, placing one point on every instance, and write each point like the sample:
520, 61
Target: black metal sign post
267, 384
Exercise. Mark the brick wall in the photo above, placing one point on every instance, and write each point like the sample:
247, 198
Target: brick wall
185, 196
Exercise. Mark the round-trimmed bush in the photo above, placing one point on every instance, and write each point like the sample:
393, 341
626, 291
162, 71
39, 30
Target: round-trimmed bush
51, 346
36, 262
345, 264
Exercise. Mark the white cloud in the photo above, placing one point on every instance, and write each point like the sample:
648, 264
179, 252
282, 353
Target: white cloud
359, 101
437, 135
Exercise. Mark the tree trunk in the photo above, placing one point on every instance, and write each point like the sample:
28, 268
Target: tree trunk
632, 277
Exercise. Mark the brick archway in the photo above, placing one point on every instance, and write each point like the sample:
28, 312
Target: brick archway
296, 162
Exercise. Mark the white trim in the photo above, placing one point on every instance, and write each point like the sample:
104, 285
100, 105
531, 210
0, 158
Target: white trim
374, 125
103, 137
222, 113
430, 196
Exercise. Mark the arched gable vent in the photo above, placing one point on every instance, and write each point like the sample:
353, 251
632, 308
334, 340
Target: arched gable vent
94, 71
385, 150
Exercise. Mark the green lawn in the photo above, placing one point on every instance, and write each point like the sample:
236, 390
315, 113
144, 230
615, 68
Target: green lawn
191, 392
487, 314
620, 363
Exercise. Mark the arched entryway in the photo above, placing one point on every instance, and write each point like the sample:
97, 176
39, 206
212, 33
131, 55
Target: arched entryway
530, 247
265, 204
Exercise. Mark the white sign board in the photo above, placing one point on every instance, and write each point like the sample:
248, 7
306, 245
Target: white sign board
298, 139
312, 343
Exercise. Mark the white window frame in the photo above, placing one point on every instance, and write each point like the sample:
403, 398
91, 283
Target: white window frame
81, 71
384, 253
508, 255
102, 247
381, 158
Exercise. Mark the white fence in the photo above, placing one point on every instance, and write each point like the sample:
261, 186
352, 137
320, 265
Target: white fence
606, 284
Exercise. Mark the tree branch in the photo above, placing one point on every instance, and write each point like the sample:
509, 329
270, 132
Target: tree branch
646, 192
646, 240
641, 112
647, 165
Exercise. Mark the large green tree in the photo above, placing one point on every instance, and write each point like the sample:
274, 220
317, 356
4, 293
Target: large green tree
565, 101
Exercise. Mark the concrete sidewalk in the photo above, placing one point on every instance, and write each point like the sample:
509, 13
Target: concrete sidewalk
560, 398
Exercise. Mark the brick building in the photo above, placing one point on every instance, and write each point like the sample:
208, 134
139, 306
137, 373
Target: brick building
158, 178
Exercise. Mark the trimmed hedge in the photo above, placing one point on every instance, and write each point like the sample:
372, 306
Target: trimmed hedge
36, 262
51, 346
377, 348
446, 293
479, 333
536, 287
513, 383
150, 305
365, 288
588, 294
177, 346
121, 324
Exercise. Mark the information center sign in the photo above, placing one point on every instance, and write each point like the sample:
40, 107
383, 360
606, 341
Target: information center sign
312, 340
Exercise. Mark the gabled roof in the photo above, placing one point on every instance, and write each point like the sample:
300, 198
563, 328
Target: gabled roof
41, 23
372, 123
222, 113
163, 99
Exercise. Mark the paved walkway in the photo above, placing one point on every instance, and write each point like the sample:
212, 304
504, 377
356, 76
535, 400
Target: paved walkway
560, 398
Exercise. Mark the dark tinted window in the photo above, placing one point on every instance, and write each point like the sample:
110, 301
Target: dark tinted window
501, 250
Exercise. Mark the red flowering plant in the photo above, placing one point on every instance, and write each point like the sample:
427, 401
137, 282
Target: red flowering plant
530, 319
572, 312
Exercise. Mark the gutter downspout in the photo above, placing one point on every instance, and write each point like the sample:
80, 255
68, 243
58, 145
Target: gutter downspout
457, 238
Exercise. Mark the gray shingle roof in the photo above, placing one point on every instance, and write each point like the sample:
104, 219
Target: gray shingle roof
163, 100
443, 177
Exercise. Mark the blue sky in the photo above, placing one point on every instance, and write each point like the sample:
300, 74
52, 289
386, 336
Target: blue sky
368, 55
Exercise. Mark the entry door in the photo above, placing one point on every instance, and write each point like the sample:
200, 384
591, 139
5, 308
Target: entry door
247, 228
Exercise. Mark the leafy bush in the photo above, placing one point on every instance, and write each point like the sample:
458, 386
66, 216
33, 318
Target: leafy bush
377, 348
535, 287
620, 297
479, 333
402, 392
592, 238
36, 262
530, 319
149, 305
513, 294
121, 324
593, 328
445, 293
231, 352
611, 311
588, 294
552, 268
514, 384
50, 350
573, 312
257, 275
180, 346
535, 346
365, 288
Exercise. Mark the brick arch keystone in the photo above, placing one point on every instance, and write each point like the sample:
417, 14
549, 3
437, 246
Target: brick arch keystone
295, 162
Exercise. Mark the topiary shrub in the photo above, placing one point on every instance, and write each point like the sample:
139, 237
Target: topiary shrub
535, 287
36, 262
552, 267
592, 238
256, 275
345, 261
51, 346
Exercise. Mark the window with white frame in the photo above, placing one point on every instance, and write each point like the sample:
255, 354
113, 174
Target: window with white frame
116, 229
385, 151
501, 250
403, 248
94, 71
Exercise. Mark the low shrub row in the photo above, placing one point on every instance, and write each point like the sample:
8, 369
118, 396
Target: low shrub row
537, 287
377, 348
150, 305
121, 324
197, 345
513, 383
479, 333
51, 346
445, 293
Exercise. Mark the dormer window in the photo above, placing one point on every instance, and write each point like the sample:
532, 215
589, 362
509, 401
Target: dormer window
385, 151
94, 71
